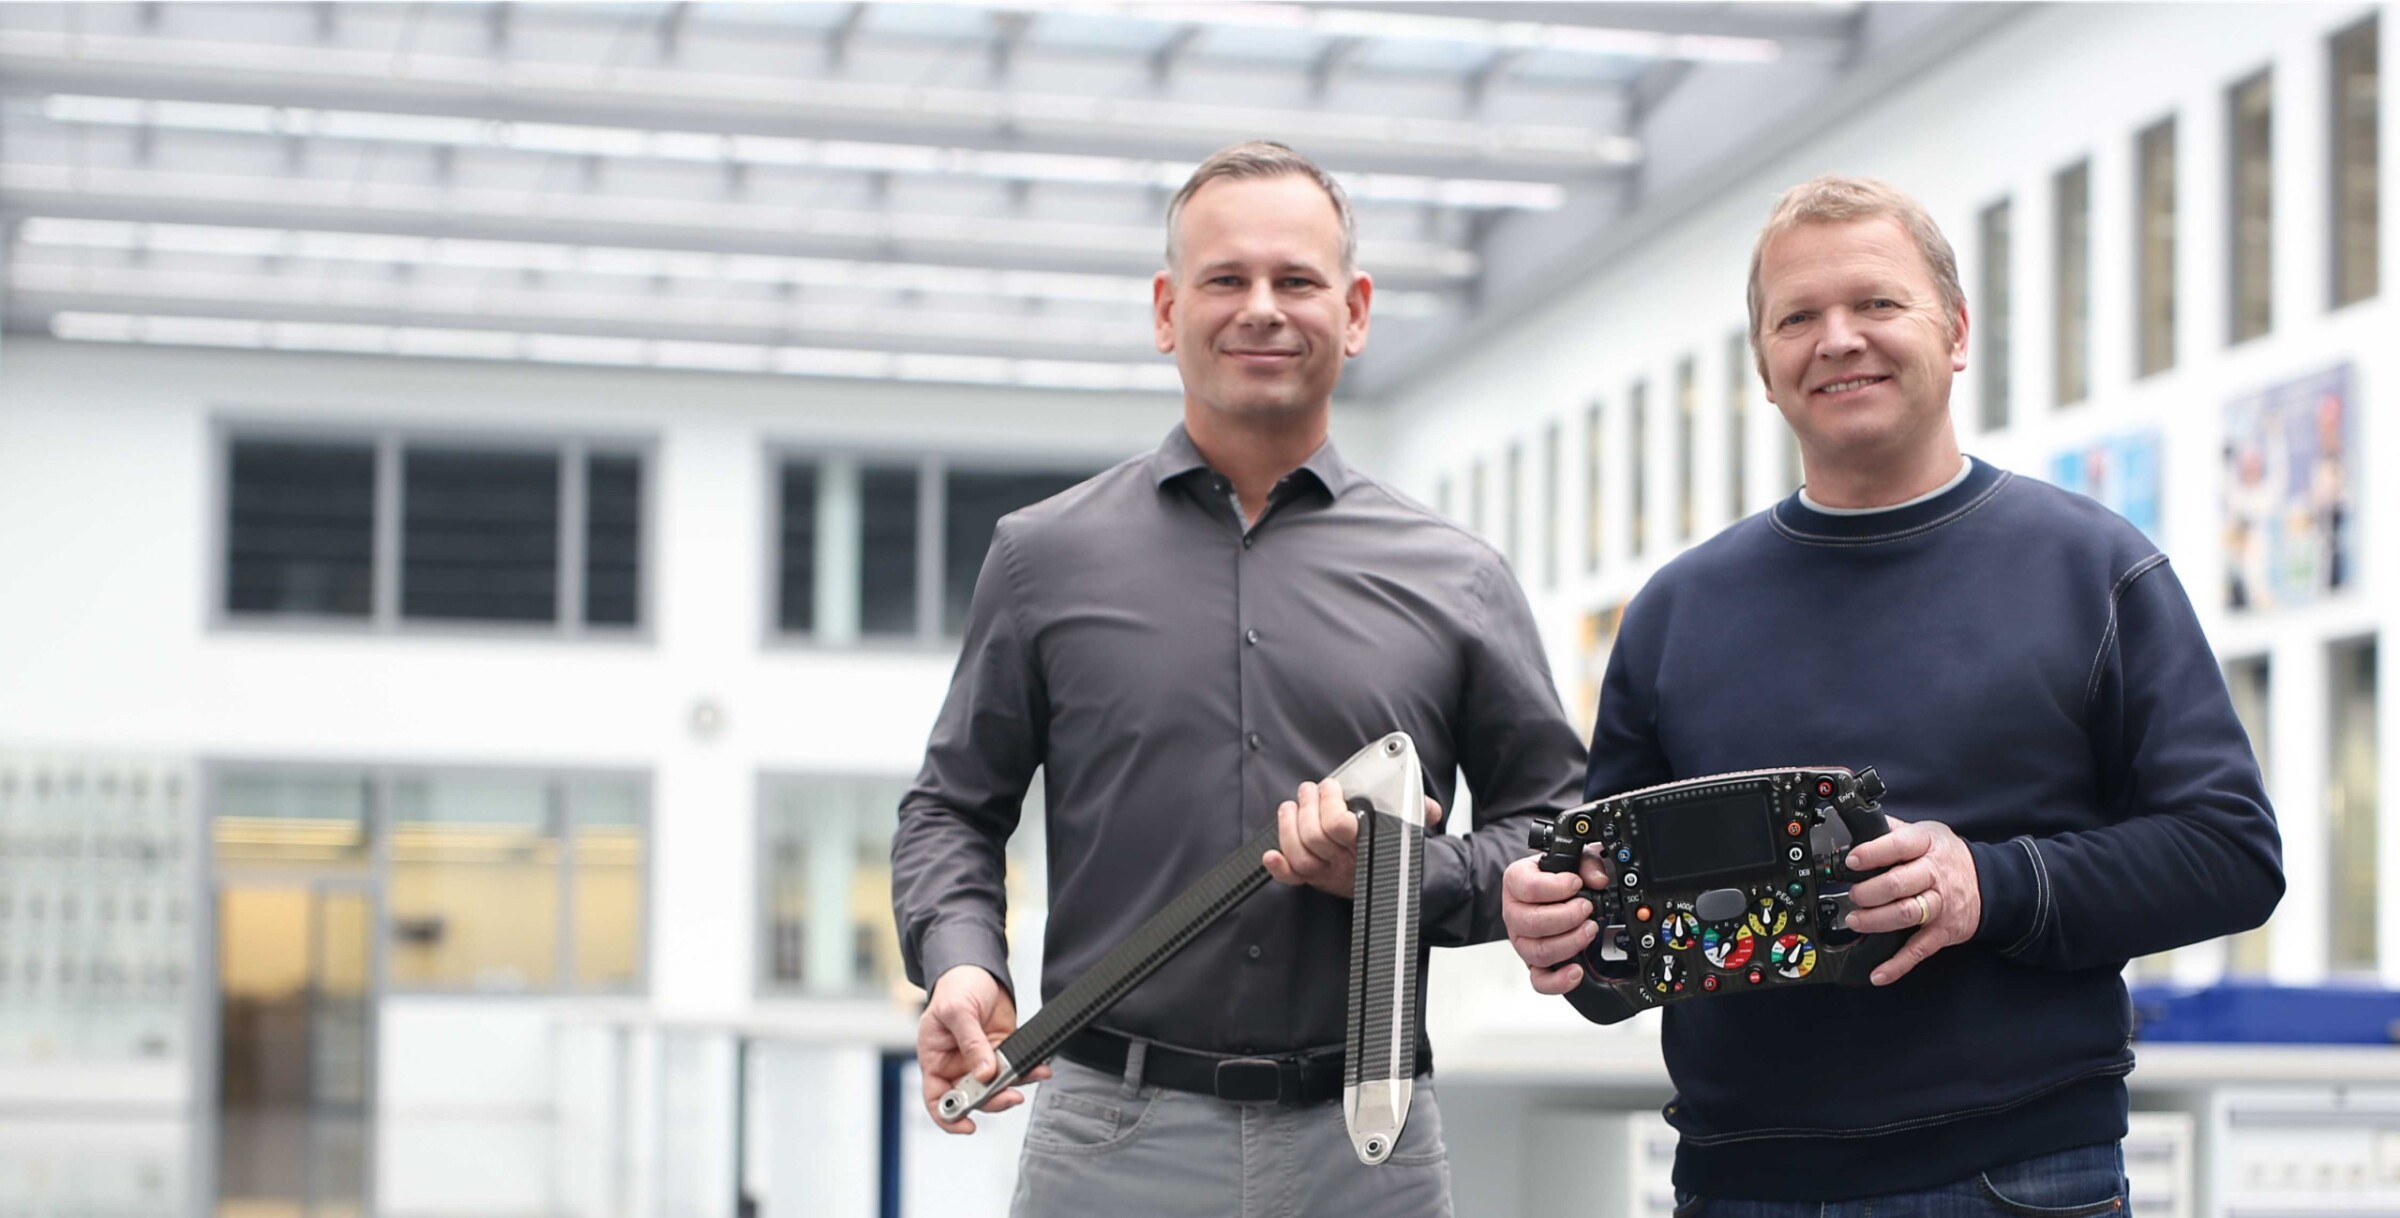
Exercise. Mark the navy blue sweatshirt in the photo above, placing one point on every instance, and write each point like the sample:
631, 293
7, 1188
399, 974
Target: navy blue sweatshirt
2021, 665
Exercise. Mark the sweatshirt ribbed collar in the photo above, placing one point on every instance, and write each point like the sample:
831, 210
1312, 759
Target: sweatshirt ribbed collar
1800, 522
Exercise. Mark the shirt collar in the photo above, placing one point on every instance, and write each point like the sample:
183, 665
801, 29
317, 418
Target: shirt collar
1177, 456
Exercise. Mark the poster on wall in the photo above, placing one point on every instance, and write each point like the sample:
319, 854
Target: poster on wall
2291, 484
2122, 472
1597, 634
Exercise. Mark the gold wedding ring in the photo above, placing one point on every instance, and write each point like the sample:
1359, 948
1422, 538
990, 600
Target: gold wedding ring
1924, 911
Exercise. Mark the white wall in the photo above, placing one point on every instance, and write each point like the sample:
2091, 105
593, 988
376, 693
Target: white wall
2059, 85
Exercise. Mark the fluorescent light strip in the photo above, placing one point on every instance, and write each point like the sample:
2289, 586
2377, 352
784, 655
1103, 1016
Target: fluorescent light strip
51, 232
577, 349
1346, 22
931, 106
709, 148
427, 206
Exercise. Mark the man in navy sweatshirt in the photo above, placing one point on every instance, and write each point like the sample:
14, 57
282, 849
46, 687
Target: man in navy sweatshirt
2070, 787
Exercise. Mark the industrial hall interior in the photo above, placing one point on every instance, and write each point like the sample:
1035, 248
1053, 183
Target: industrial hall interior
493, 496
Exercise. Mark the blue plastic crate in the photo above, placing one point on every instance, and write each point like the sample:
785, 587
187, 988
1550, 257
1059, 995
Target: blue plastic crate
2256, 1012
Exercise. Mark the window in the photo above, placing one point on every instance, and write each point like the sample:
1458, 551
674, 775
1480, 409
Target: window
388, 531
2351, 777
2356, 156
825, 885
1511, 506
2154, 249
2248, 682
300, 529
1551, 475
890, 549
1687, 413
1992, 322
1594, 450
1637, 405
1737, 426
2071, 302
2250, 113
498, 881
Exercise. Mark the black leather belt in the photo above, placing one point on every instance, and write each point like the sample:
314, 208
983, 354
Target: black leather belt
1311, 1077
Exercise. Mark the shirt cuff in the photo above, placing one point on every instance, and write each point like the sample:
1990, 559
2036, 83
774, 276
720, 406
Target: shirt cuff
947, 947
1446, 902
2015, 890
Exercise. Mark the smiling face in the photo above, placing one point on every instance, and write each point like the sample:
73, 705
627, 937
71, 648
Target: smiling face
1858, 351
1258, 312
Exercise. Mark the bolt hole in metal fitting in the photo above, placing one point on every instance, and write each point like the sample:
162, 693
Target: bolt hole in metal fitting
1391, 748
1374, 1148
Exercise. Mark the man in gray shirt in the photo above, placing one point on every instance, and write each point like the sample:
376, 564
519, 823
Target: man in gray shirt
1180, 643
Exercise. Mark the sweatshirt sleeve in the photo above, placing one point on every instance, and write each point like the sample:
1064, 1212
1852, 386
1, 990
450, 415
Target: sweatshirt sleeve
1521, 759
2192, 851
948, 862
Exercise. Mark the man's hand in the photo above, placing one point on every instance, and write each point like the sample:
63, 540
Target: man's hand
1931, 888
967, 1014
1549, 919
1319, 839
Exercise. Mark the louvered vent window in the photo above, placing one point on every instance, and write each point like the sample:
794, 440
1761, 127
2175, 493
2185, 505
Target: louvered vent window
479, 538
301, 530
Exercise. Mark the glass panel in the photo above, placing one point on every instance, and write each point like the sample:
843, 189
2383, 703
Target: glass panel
2073, 301
1593, 451
1737, 426
2155, 249
2248, 682
479, 536
2357, 239
1992, 320
611, 847
887, 583
2250, 118
263, 963
1551, 475
796, 550
2350, 804
826, 887
612, 541
313, 821
473, 883
1687, 414
1637, 402
1511, 507
971, 511
340, 1049
300, 529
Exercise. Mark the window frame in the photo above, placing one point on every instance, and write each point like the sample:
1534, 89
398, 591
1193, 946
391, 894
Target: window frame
2366, 30
380, 777
2235, 280
573, 449
2154, 334
932, 466
1995, 298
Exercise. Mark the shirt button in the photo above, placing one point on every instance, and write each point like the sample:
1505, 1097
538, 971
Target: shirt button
1250, 636
1254, 741
1254, 951
1246, 540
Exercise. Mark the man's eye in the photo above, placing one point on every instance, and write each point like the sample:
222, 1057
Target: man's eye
1297, 283
1792, 319
1880, 303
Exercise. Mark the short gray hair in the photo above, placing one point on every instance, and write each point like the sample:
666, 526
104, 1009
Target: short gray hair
1259, 159
1834, 199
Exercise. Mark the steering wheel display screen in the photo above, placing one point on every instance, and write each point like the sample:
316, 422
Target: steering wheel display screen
1717, 837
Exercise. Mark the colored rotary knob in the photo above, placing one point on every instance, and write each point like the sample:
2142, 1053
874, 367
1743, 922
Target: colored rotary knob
1680, 928
1668, 976
1793, 956
1769, 915
1728, 948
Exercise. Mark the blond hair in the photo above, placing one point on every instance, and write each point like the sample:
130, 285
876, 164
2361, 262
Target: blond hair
1834, 199
1258, 159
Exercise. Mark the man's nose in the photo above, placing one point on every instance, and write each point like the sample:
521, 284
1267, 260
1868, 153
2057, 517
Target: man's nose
1259, 305
1838, 336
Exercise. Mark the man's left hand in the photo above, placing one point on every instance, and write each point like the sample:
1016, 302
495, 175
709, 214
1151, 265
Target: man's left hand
1930, 888
1319, 839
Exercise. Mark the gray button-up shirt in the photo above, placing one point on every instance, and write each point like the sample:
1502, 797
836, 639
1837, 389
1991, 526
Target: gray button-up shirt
1179, 675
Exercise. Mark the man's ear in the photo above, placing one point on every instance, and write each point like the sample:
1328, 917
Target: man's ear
1162, 310
1354, 322
1958, 341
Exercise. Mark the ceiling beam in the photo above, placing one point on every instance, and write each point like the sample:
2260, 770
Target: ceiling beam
1171, 53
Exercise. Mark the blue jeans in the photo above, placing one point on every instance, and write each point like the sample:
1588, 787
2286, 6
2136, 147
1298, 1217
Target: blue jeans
2078, 1183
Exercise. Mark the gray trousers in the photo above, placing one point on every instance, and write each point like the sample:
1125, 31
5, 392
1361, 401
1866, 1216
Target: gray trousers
1104, 1146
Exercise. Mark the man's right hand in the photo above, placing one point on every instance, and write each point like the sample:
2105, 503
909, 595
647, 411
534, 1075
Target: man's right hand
965, 1017
1549, 920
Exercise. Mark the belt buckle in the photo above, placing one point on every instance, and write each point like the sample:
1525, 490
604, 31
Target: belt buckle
1249, 1080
